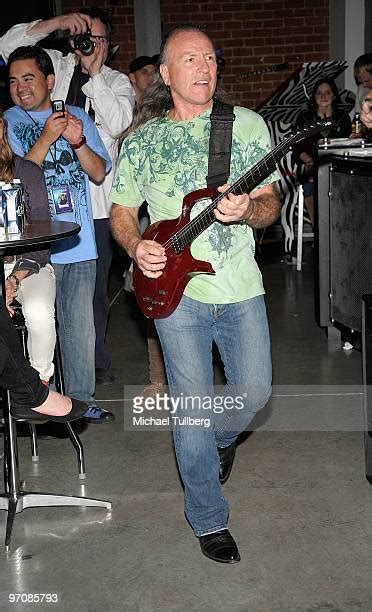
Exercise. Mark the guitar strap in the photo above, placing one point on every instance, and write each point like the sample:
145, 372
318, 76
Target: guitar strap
222, 119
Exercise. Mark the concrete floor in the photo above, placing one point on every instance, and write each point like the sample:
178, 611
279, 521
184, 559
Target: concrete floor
300, 506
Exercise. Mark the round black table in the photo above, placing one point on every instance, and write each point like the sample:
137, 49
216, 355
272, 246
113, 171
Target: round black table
15, 500
36, 233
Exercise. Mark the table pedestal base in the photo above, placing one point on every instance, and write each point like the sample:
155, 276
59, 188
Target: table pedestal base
17, 503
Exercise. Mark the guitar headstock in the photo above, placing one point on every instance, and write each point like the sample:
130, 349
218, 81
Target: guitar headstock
309, 130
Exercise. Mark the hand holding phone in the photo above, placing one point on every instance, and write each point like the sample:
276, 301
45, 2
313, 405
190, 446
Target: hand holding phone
56, 122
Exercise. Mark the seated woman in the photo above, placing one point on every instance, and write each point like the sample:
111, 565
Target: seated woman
323, 105
29, 276
30, 399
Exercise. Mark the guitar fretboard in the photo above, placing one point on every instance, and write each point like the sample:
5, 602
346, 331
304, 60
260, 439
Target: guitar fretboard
245, 184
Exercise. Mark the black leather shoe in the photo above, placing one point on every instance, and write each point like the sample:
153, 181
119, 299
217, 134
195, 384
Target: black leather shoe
227, 455
220, 546
27, 414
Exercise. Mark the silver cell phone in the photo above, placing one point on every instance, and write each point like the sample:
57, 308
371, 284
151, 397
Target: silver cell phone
58, 106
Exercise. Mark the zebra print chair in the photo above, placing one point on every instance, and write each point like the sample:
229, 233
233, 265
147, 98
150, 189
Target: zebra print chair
288, 184
280, 112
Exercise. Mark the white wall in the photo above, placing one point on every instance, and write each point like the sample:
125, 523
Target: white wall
354, 37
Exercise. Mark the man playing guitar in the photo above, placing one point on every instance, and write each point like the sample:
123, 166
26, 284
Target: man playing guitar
163, 159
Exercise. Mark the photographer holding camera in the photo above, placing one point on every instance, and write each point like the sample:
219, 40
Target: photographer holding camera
82, 79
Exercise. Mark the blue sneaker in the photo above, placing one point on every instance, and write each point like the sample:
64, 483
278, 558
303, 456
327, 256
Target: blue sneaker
94, 414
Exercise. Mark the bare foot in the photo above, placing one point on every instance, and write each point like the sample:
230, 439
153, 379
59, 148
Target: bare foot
55, 405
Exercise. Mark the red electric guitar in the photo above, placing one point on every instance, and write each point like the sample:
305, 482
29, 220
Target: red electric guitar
159, 297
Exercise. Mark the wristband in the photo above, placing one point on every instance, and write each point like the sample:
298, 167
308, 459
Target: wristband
17, 281
80, 143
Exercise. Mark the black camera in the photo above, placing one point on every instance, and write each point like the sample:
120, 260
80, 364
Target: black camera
84, 44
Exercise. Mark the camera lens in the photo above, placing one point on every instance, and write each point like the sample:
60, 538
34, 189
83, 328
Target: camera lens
84, 44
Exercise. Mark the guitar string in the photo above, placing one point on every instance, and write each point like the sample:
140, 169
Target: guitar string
264, 162
185, 232
270, 157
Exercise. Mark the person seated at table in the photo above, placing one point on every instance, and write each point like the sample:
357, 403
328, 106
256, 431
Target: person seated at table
30, 399
363, 78
366, 114
324, 104
29, 276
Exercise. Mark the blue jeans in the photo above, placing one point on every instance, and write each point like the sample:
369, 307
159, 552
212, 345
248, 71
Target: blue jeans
241, 334
101, 303
75, 290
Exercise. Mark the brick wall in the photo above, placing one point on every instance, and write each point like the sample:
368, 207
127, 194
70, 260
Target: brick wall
253, 36
257, 35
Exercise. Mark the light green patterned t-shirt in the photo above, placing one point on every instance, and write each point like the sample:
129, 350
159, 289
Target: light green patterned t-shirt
163, 161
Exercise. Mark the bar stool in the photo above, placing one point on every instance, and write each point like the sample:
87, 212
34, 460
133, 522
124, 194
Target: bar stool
20, 326
15, 499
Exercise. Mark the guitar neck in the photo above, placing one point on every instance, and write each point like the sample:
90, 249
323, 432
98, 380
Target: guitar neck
245, 184
263, 70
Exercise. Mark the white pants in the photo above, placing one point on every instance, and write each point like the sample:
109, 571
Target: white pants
37, 295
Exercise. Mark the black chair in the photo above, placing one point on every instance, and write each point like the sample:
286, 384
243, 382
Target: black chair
20, 326
15, 499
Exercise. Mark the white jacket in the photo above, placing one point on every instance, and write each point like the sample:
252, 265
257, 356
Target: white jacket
110, 93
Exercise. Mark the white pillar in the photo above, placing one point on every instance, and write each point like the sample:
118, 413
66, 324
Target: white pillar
354, 37
147, 26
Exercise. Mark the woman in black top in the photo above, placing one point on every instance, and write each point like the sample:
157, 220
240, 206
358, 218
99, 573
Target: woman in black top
323, 105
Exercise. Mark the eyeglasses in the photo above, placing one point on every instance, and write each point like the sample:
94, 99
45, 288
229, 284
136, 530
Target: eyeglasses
99, 37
